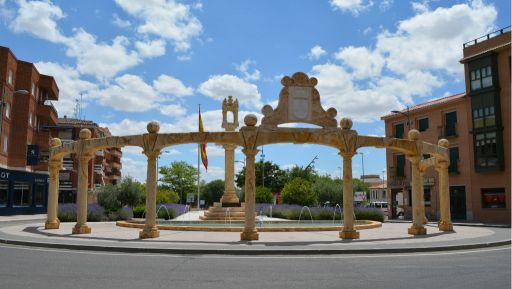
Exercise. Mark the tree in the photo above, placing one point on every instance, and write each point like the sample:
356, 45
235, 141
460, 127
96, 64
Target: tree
165, 195
212, 191
274, 177
108, 198
328, 190
179, 177
129, 192
360, 186
300, 172
299, 192
263, 195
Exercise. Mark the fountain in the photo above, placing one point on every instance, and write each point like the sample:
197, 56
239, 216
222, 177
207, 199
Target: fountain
334, 213
310, 215
166, 210
228, 216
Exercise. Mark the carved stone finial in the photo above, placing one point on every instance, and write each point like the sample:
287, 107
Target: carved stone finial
413, 134
153, 127
250, 120
228, 105
346, 123
443, 143
85, 134
55, 142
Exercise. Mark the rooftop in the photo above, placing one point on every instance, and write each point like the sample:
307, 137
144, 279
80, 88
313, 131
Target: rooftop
486, 37
435, 102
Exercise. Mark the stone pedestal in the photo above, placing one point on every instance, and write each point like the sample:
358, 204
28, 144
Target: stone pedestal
229, 198
445, 226
55, 224
416, 230
149, 233
349, 234
249, 236
81, 229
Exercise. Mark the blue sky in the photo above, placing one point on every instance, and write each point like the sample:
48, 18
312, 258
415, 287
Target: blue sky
137, 61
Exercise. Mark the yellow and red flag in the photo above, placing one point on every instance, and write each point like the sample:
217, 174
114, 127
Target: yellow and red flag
202, 147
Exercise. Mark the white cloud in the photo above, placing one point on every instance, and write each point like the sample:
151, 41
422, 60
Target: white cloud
316, 52
136, 169
120, 22
385, 4
167, 84
212, 150
354, 6
416, 43
173, 110
363, 62
165, 18
69, 83
128, 93
244, 69
151, 48
221, 86
39, 19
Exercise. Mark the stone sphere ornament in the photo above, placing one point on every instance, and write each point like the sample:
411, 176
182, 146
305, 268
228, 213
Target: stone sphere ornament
153, 127
85, 134
443, 143
250, 120
55, 142
346, 123
413, 134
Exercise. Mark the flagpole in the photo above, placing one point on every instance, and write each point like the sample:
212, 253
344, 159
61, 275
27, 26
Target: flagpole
198, 166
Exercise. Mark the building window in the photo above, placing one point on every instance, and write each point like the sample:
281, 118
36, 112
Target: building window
493, 198
481, 77
22, 195
423, 124
454, 160
400, 165
7, 110
9, 77
5, 144
39, 195
450, 124
426, 196
399, 130
4, 193
486, 150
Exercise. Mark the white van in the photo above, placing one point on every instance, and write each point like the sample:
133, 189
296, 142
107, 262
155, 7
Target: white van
383, 206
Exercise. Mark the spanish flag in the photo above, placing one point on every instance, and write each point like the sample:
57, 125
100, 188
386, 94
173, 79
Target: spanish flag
202, 147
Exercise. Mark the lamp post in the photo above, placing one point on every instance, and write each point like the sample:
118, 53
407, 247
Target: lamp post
2, 104
362, 164
262, 168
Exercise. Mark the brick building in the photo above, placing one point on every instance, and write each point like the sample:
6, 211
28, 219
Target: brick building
25, 108
477, 124
104, 167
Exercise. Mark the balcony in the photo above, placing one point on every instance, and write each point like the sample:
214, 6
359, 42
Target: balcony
48, 113
448, 131
486, 37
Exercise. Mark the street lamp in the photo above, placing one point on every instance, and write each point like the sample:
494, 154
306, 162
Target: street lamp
406, 114
262, 167
2, 104
362, 163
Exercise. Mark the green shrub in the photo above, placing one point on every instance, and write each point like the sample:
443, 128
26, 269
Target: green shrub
263, 195
299, 192
372, 215
129, 192
166, 213
108, 198
166, 196
138, 211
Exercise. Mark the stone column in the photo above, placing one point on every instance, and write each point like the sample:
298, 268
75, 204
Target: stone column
229, 198
150, 230
422, 196
445, 222
81, 226
52, 221
250, 232
417, 214
348, 231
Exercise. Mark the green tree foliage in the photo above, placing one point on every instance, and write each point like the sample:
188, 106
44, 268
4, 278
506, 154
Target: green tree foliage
165, 195
263, 195
360, 186
108, 197
179, 177
300, 192
129, 192
307, 174
328, 190
274, 177
212, 191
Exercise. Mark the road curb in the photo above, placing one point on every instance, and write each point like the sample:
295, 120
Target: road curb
235, 252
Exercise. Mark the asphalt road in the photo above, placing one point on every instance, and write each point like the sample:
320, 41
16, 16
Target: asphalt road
23, 267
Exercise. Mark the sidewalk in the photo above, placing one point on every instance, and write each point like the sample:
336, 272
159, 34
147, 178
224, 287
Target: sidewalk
391, 237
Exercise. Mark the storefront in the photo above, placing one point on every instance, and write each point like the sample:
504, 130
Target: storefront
22, 192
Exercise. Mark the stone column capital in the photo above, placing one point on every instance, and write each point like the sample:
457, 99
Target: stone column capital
346, 154
250, 152
84, 157
229, 147
415, 159
153, 154
54, 164
442, 165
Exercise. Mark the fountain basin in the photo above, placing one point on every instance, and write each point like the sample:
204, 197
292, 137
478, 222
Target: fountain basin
275, 226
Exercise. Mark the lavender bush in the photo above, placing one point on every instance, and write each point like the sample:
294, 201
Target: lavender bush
95, 213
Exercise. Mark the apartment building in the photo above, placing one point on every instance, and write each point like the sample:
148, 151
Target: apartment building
477, 124
104, 167
25, 108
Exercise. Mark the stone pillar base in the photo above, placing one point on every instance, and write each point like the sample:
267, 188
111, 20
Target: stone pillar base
425, 220
445, 226
49, 225
229, 200
149, 233
353, 234
81, 229
417, 231
249, 236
